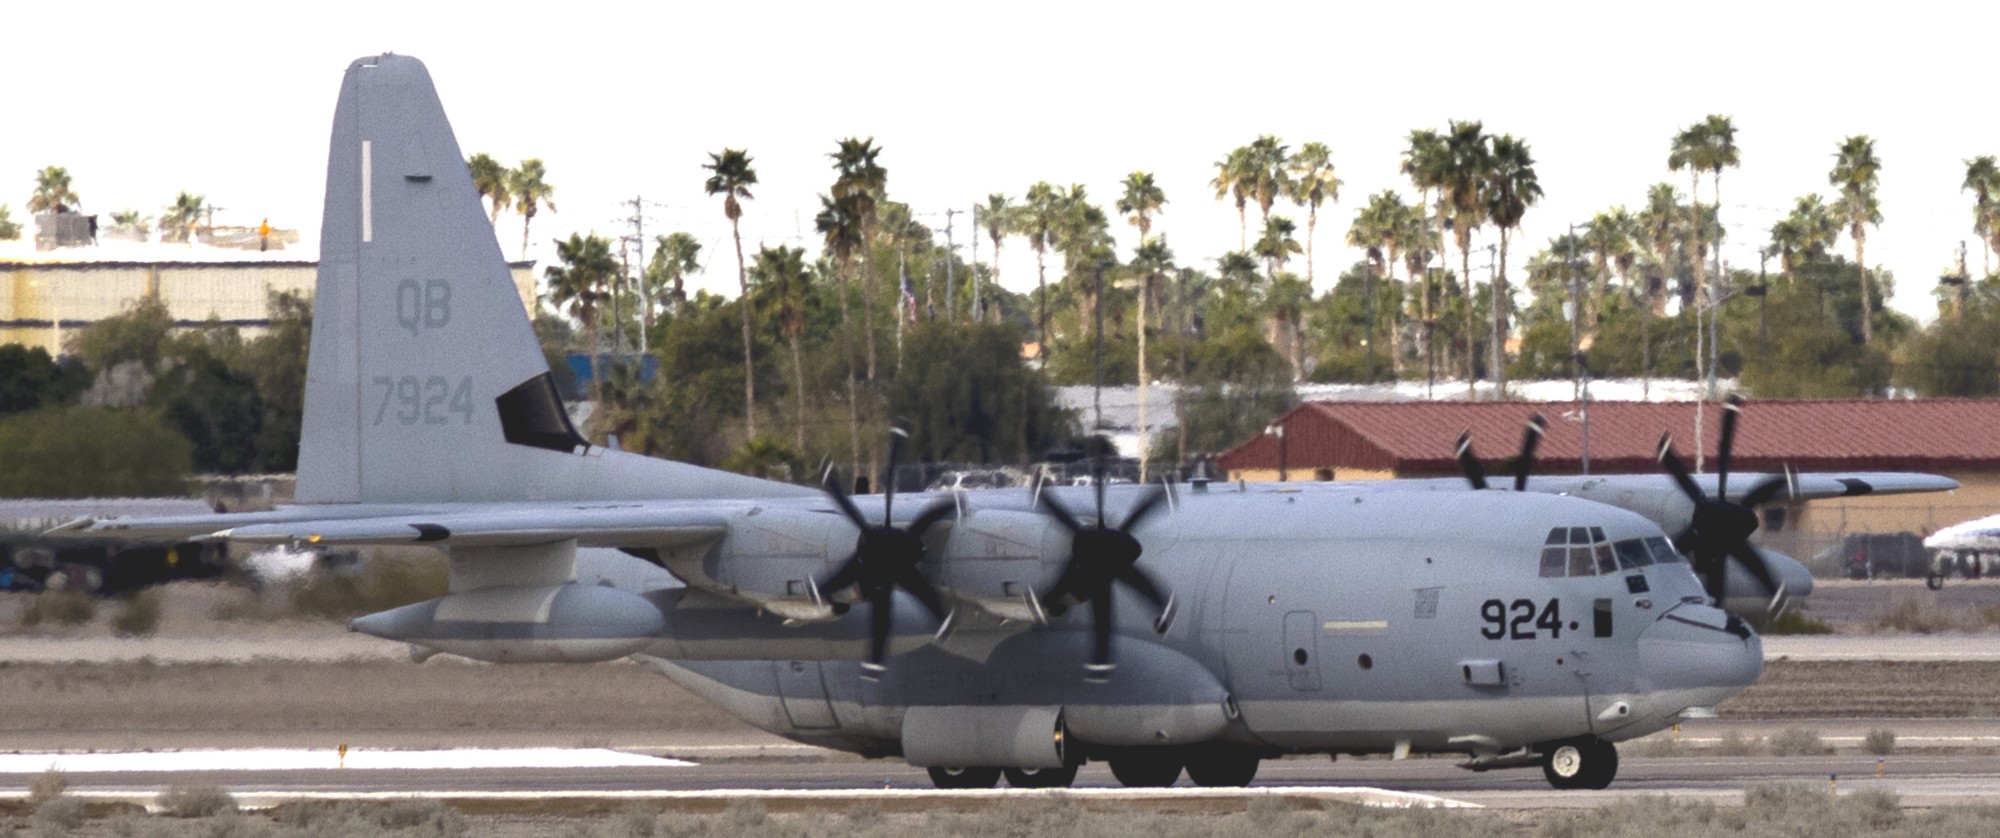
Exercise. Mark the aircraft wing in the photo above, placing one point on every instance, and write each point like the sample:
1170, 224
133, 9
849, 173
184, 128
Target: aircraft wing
465, 526
1806, 487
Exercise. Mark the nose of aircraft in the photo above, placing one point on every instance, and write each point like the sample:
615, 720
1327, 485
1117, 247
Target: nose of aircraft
1696, 655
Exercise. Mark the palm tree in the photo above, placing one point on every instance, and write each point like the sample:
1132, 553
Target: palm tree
1083, 232
1690, 150
675, 257
1311, 183
1233, 177
53, 193
178, 223
1609, 240
1512, 188
1856, 173
1374, 230
494, 182
532, 191
732, 178
1150, 261
1660, 221
1277, 244
840, 229
1982, 177
862, 182
1143, 197
133, 222
1426, 162
1719, 153
9, 229
1470, 157
1039, 219
1806, 234
781, 278
1000, 217
579, 282
1270, 169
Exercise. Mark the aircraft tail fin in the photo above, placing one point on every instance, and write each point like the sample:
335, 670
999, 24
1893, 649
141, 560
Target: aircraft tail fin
425, 381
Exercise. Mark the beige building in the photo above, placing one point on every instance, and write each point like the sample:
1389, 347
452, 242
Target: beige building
41, 303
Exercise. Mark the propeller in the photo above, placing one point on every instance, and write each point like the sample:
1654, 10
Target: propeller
1531, 439
886, 558
1100, 556
1720, 527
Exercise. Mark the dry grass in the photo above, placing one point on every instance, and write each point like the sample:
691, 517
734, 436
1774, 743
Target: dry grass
138, 614
197, 801
379, 583
60, 608
1880, 741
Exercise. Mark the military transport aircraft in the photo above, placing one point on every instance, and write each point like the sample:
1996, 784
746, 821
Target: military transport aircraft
1225, 624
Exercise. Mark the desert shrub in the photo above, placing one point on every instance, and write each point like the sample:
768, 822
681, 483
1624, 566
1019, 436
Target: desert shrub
197, 801
1916, 616
47, 786
1664, 745
63, 608
1794, 621
138, 614
1881, 742
380, 584
1735, 744
430, 817
1796, 742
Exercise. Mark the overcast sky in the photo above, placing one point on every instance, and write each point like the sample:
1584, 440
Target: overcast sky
141, 100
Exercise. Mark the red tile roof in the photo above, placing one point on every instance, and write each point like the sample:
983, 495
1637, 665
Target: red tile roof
1418, 437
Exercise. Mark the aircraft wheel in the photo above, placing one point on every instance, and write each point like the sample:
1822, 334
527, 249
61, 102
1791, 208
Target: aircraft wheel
1935, 581
1222, 768
1581, 764
1041, 778
952, 777
1147, 772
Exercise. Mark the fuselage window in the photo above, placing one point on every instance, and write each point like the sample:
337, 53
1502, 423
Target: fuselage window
1633, 553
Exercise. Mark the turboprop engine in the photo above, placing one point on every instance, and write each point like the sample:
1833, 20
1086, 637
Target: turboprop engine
772, 558
1000, 560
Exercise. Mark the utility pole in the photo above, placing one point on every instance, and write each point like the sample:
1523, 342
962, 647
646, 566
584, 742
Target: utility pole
1575, 317
950, 250
978, 311
638, 220
1498, 351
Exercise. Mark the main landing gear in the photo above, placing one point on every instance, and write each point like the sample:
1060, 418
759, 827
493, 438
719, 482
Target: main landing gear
1211, 767
1580, 764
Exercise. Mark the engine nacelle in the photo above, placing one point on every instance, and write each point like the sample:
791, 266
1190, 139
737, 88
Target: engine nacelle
959, 735
1001, 560
1750, 599
569, 623
771, 559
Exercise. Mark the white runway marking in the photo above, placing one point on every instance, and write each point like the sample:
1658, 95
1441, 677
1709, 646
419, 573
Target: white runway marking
277, 759
1362, 795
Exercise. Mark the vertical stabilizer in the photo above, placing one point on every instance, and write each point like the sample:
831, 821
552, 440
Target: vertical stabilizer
426, 382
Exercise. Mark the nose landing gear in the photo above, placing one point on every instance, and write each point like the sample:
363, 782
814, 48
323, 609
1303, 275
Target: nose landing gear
1580, 764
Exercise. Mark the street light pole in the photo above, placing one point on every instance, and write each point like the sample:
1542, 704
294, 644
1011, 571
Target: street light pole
1284, 449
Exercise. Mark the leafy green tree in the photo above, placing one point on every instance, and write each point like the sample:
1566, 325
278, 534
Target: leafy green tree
81, 452
1310, 182
1611, 239
179, 222
30, 379
580, 283
137, 333
1955, 357
731, 177
783, 284
53, 192
1856, 173
10, 230
1237, 385
212, 404
973, 400
494, 182
133, 223
276, 362
531, 190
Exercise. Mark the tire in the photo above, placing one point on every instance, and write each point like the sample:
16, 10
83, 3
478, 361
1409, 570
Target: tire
1221, 768
1041, 778
946, 777
1935, 581
1581, 764
1148, 771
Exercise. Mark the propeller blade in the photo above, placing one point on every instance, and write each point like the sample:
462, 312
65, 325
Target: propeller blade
1765, 491
1061, 513
834, 490
1754, 562
919, 587
1097, 477
1100, 665
1150, 501
1530, 439
1142, 584
1674, 466
937, 511
1468, 463
1731, 410
881, 620
847, 574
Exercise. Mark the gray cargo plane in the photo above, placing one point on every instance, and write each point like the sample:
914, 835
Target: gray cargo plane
1225, 624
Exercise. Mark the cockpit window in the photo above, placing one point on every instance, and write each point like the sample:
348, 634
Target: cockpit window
1633, 553
1663, 551
1585, 551
1605, 563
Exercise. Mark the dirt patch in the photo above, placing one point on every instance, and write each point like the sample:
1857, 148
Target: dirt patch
1870, 689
